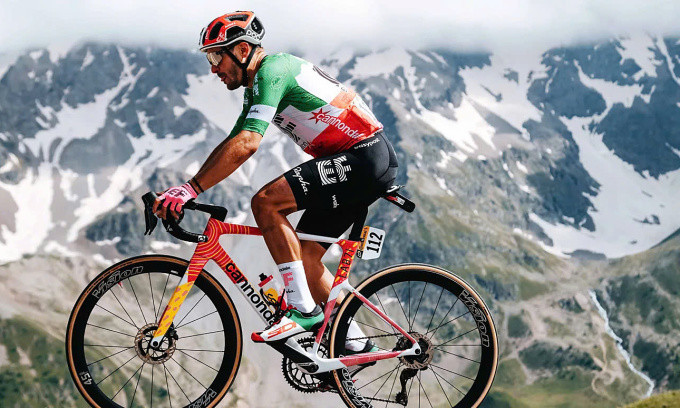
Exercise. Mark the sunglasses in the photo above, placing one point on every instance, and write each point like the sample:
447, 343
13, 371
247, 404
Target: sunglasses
215, 57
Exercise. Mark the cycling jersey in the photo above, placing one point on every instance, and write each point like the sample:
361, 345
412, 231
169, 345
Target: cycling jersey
320, 114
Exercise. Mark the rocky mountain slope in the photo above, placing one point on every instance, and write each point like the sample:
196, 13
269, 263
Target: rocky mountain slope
546, 180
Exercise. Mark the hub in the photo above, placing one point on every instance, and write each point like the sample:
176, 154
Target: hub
155, 354
421, 361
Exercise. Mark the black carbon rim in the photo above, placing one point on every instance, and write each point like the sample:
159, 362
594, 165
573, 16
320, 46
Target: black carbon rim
452, 318
100, 339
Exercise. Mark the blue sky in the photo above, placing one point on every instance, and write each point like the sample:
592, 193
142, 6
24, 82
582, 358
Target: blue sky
319, 26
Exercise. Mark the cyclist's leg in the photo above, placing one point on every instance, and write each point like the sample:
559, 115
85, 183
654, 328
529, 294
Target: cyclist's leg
319, 278
270, 207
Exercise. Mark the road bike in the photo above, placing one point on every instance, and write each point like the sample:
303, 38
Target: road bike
128, 347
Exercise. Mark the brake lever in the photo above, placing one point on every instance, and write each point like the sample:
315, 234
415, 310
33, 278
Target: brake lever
149, 217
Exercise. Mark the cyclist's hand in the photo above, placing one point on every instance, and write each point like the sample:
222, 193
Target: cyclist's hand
173, 199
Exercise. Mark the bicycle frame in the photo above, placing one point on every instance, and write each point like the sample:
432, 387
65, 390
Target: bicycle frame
307, 361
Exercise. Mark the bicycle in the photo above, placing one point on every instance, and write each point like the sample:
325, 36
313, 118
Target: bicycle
449, 350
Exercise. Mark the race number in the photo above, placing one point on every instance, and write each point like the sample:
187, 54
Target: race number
371, 243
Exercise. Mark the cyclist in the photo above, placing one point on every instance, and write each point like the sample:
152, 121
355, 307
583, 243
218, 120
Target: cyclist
353, 163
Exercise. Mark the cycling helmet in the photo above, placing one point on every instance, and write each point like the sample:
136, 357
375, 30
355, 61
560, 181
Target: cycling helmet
231, 28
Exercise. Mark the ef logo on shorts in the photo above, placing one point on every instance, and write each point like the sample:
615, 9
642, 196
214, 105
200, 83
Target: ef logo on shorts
333, 171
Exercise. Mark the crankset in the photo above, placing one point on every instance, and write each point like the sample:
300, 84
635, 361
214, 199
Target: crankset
302, 381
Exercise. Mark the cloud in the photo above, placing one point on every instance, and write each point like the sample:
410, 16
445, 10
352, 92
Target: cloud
319, 26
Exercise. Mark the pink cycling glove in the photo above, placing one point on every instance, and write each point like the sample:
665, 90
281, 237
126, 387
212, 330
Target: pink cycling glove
175, 198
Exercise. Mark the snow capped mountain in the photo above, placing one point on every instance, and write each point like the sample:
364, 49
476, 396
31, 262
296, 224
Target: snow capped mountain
511, 160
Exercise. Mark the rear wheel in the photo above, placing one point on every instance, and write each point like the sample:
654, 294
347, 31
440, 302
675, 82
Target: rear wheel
452, 325
108, 336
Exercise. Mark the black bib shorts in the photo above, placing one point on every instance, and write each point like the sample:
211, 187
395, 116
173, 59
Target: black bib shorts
333, 189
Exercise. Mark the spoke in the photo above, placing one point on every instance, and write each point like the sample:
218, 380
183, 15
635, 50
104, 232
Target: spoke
443, 318
456, 345
384, 382
399, 301
115, 331
110, 355
410, 326
460, 335
103, 345
196, 319
190, 310
180, 387
458, 355
136, 298
409, 299
128, 380
203, 334
376, 379
440, 376
189, 355
452, 320
392, 388
152, 367
116, 369
167, 385
123, 307
134, 394
373, 327
96, 304
187, 371
209, 351
452, 372
435, 310
385, 310
160, 304
153, 301
424, 392
440, 386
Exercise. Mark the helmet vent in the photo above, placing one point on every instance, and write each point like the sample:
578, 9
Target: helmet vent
215, 30
257, 27
238, 17
234, 32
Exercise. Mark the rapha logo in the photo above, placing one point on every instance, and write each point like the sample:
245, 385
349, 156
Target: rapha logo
297, 173
333, 171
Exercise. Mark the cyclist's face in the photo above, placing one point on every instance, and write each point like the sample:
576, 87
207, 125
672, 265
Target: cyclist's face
230, 73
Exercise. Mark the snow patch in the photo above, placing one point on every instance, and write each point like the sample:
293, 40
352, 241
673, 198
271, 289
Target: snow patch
461, 132
153, 92
482, 83
33, 219
639, 49
381, 63
208, 95
521, 167
89, 59
610, 91
618, 230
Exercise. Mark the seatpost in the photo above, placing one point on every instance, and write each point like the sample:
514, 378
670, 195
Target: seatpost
358, 225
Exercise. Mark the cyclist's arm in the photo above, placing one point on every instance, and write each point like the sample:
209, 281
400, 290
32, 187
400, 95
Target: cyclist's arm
227, 157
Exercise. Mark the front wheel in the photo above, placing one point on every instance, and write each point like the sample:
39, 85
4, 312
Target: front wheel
113, 320
451, 323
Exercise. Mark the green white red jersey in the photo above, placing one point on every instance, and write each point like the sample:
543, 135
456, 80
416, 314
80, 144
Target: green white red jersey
320, 114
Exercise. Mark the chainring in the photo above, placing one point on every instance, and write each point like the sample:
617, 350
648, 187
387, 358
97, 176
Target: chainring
303, 382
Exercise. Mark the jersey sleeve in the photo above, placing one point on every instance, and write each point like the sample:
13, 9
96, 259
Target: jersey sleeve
271, 83
238, 126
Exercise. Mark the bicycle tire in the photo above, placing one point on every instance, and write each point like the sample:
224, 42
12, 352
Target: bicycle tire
468, 358
81, 328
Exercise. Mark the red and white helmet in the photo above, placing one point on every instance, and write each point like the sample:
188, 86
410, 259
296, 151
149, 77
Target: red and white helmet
230, 29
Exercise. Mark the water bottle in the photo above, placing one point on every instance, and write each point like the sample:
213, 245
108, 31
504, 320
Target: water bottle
272, 291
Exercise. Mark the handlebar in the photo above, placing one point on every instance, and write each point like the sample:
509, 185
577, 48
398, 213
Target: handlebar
172, 226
